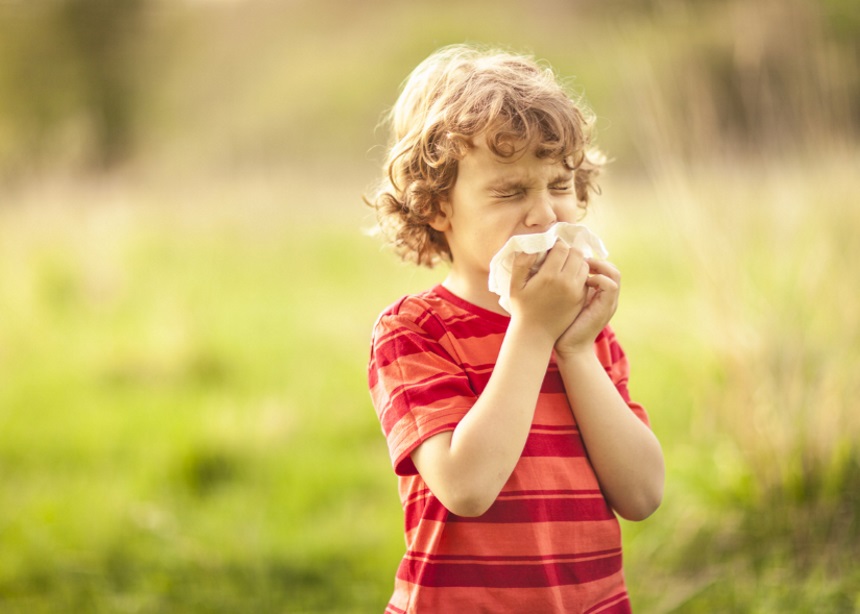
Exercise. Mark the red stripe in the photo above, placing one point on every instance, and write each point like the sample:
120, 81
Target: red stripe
470, 328
535, 506
465, 325
582, 492
440, 386
557, 446
461, 325
542, 509
433, 390
552, 382
480, 375
512, 575
546, 559
404, 344
615, 351
473, 374
424, 311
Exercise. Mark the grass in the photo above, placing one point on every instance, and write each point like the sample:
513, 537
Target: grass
184, 420
185, 425
755, 401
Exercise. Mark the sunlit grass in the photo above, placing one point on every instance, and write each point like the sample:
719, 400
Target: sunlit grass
185, 424
184, 418
187, 400
747, 302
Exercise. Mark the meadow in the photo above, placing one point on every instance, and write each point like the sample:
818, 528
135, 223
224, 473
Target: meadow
185, 424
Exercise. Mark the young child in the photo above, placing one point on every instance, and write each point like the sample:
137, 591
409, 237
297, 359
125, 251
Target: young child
513, 436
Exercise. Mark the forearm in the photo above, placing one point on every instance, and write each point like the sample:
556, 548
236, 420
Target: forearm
625, 454
467, 468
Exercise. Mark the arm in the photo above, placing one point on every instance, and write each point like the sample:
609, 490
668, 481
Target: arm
466, 468
625, 454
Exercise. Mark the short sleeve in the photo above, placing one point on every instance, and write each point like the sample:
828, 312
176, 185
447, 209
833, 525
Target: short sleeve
417, 386
613, 359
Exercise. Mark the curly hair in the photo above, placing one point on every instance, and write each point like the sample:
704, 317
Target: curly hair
457, 94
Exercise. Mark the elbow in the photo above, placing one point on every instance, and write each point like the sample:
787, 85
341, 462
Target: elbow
643, 505
646, 494
639, 510
467, 498
467, 495
469, 505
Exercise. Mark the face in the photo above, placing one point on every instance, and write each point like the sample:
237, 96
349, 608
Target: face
494, 199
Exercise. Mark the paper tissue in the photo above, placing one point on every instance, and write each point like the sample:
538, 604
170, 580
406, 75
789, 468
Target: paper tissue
574, 235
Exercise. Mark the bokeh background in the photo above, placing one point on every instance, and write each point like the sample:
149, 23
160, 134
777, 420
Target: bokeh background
187, 291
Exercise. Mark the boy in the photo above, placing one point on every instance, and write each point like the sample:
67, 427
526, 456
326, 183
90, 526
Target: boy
512, 434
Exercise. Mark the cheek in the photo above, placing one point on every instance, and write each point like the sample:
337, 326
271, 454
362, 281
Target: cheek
569, 211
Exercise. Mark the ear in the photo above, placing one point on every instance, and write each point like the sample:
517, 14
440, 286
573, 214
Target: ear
442, 221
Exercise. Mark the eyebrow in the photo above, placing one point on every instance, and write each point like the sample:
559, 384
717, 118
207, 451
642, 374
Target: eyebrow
564, 175
508, 183
505, 183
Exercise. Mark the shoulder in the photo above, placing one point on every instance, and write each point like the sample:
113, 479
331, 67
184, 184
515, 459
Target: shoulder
418, 304
425, 313
411, 305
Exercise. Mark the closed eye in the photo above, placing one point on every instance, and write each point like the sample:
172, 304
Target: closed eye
561, 187
507, 195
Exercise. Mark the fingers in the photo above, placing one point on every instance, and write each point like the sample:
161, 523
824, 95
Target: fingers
604, 268
522, 268
601, 283
563, 258
603, 276
557, 256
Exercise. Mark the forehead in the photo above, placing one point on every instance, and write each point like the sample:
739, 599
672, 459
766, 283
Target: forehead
483, 166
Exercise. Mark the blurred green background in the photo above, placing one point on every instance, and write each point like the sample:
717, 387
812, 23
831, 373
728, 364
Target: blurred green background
187, 293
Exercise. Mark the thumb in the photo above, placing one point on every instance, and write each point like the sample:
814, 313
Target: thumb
521, 271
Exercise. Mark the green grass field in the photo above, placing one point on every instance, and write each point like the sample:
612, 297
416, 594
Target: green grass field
187, 294
185, 424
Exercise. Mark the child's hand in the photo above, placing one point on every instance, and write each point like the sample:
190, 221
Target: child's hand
603, 287
550, 298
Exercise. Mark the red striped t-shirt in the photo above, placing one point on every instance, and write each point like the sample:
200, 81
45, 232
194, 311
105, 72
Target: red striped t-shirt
550, 542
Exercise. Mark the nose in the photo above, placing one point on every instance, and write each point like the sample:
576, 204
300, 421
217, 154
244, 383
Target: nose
541, 213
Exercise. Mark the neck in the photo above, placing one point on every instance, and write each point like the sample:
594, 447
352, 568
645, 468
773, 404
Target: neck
474, 291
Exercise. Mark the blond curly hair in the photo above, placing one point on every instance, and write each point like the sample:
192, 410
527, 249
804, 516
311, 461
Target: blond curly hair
459, 93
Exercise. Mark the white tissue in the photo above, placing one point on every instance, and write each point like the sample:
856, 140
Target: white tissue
574, 235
